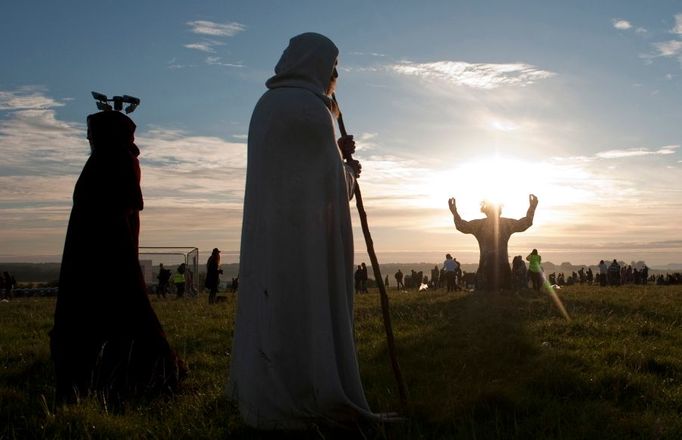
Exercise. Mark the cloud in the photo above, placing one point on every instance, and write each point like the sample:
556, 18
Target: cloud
202, 47
204, 27
366, 141
25, 98
677, 29
216, 61
668, 48
636, 152
370, 54
35, 142
474, 75
621, 24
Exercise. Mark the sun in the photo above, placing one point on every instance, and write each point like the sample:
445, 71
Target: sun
503, 181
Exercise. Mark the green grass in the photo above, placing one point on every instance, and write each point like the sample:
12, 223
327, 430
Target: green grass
477, 367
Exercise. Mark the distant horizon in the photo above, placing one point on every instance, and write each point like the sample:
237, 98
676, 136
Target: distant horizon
403, 257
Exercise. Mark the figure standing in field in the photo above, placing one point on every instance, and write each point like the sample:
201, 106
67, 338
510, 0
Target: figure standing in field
164, 278
9, 283
434, 277
179, 281
581, 275
458, 274
364, 279
357, 276
535, 269
450, 268
106, 337
614, 273
603, 270
493, 233
399, 280
213, 272
519, 273
294, 361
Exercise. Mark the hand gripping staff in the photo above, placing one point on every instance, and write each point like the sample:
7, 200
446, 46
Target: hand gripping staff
390, 342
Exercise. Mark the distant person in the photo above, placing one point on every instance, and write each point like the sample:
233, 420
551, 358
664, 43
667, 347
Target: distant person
434, 276
213, 272
294, 361
179, 281
535, 269
581, 275
399, 280
645, 274
589, 275
164, 281
614, 273
106, 337
450, 267
235, 284
9, 284
603, 271
365, 278
413, 280
386, 282
636, 276
519, 273
458, 273
357, 277
492, 234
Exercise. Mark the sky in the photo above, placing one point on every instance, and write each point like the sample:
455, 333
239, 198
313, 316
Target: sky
579, 103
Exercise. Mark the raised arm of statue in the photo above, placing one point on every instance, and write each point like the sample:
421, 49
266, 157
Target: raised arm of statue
526, 222
461, 225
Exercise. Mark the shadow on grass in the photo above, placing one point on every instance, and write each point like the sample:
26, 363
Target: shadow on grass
476, 367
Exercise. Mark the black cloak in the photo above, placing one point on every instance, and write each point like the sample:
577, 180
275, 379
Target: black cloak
106, 337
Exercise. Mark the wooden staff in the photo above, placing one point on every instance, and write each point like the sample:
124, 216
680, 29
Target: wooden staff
390, 341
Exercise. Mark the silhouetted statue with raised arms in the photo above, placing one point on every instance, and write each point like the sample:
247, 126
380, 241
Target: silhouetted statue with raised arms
493, 234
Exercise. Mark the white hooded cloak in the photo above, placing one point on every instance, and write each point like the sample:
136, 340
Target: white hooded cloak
293, 356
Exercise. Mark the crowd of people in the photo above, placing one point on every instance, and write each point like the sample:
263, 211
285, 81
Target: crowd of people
451, 277
182, 280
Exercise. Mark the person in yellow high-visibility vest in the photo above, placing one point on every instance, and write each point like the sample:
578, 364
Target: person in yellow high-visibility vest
179, 281
534, 269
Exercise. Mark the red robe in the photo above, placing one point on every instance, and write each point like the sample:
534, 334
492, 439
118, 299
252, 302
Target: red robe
106, 336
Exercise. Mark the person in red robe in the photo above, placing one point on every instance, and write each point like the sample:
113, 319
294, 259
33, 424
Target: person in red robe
107, 339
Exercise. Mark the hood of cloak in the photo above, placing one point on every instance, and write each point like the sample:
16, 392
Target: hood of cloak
308, 62
109, 131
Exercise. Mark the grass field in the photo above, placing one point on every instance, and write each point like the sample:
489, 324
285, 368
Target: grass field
477, 366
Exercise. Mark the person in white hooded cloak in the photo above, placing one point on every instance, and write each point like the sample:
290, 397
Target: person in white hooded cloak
293, 358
